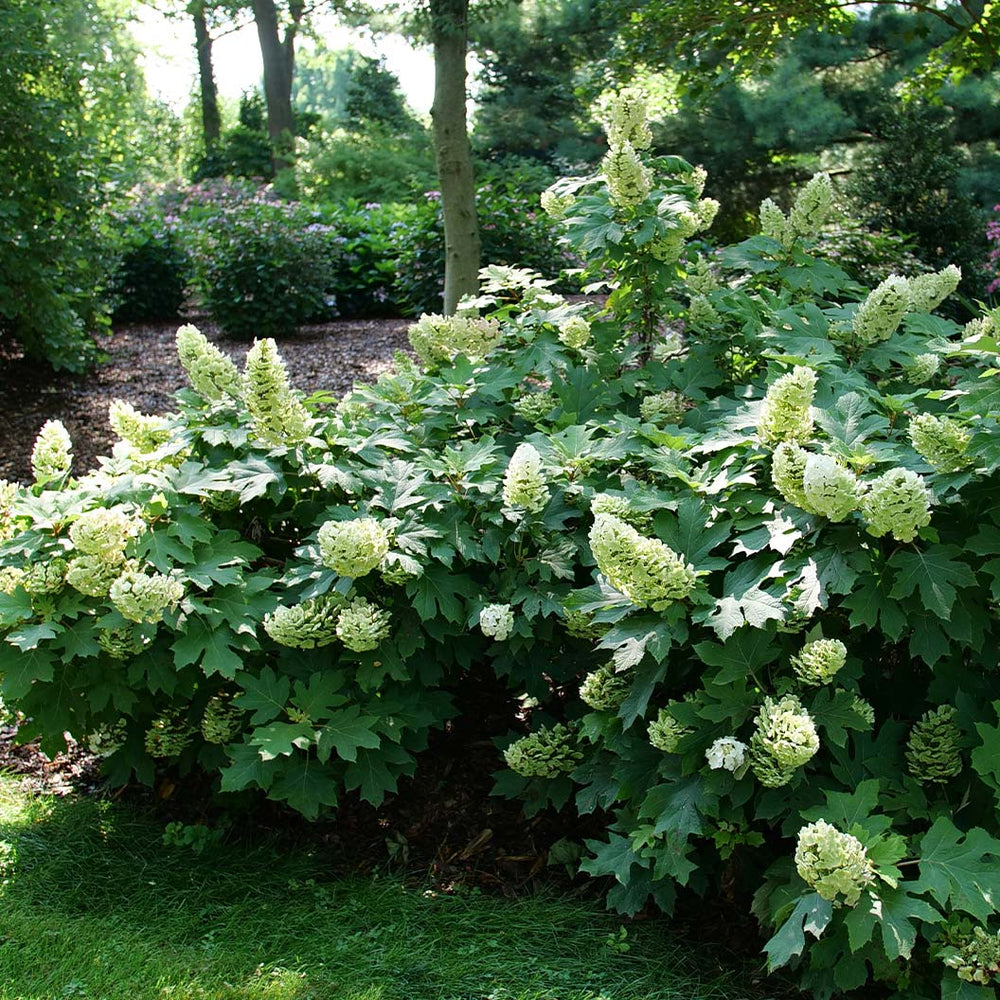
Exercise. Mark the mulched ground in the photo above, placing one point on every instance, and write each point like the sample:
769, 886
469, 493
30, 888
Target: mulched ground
142, 368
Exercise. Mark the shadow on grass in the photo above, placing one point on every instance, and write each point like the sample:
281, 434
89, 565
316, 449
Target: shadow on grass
94, 906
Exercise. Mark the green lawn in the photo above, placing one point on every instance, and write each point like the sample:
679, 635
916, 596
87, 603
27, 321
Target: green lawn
92, 905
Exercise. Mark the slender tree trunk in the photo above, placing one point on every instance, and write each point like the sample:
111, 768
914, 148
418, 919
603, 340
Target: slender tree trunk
453, 151
279, 65
211, 124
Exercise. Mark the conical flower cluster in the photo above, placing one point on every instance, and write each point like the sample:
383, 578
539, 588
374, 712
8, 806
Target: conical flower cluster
628, 180
786, 413
535, 406
211, 373
121, 643
665, 732
169, 735
666, 407
812, 207
544, 754
278, 417
928, 291
788, 469
308, 625
93, 575
581, 625
897, 502
574, 333
8, 494
44, 577
774, 224
648, 572
221, 721
879, 316
104, 532
106, 740
604, 689
934, 749
818, 662
923, 368
353, 548
144, 432
144, 597
52, 454
943, 442
835, 864
829, 488
785, 739
556, 205
524, 484
626, 119
362, 625
442, 338
605, 503
497, 621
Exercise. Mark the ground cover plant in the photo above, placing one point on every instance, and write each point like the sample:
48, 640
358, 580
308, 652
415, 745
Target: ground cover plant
734, 541
95, 905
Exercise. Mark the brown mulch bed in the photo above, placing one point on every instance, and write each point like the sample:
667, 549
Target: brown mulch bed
142, 368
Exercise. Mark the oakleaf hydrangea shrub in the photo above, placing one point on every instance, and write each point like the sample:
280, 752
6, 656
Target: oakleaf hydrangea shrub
760, 637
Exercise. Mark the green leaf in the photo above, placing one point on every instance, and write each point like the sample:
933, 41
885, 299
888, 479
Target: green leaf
211, 646
834, 711
935, 572
19, 670
264, 695
345, 732
616, 857
439, 592
740, 657
674, 808
692, 536
895, 912
960, 870
812, 913
29, 636
323, 693
305, 785
281, 739
245, 769
371, 772
165, 551
986, 756
15, 607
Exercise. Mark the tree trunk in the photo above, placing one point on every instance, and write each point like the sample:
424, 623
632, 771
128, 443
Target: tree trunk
279, 65
453, 151
211, 124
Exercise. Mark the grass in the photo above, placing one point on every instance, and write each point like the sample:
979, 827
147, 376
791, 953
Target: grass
92, 905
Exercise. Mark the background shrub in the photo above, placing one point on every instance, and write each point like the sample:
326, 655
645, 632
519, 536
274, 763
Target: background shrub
263, 269
152, 267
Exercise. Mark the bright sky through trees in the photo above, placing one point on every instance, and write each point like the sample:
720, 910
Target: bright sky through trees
169, 58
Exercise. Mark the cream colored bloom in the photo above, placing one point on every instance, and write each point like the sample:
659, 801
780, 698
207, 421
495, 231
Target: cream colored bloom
835, 864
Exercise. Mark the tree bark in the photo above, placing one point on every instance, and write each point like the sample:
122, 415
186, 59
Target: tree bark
279, 66
211, 123
453, 152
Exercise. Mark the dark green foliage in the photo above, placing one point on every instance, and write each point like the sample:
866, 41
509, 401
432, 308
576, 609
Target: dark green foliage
513, 230
263, 269
713, 571
50, 260
909, 182
152, 268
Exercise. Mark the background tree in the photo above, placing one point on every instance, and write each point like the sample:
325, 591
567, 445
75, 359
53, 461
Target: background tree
730, 36
71, 100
